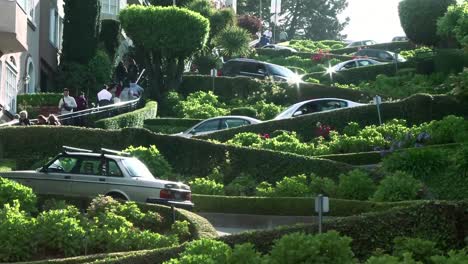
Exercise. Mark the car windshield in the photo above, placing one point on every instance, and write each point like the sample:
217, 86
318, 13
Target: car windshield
136, 168
282, 71
288, 112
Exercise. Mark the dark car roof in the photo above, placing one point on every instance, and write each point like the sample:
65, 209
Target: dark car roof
245, 60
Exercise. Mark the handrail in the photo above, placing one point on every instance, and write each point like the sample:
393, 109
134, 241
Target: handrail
86, 112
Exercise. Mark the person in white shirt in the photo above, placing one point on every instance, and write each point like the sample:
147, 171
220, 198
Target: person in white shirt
104, 96
135, 90
268, 33
66, 103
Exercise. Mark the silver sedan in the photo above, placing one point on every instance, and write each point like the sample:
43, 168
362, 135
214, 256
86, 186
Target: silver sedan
217, 123
314, 106
82, 173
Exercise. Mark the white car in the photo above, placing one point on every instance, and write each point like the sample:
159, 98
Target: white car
217, 123
315, 106
346, 65
361, 43
278, 47
83, 173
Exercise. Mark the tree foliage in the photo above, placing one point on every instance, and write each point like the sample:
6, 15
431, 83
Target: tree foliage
455, 23
165, 47
80, 30
419, 19
314, 19
109, 36
250, 23
233, 41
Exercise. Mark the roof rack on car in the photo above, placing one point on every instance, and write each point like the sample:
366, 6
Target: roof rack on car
72, 149
115, 152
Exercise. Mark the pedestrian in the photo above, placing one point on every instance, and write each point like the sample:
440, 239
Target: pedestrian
42, 120
283, 36
66, 103
23, 120
104, 97
82, 104
136, 91
133, 70
53, 120
263, 41
125, 94
268, 34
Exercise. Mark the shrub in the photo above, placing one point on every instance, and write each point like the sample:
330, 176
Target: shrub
233, 41
206, 186
450, 129
295, 186
454, 23
181, 229
245, 139
11, 190
387, 259
421, 249
243, 185
264, 189
398, 186
267, 111
153, 159
325, 186
419, 19
60, 231
454, 257
131, 119
356, 185
16, 230
326, 248
204, 251
201, 105
250, 23
244, 111
245, 254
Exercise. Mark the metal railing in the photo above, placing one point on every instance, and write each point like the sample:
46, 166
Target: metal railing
104, 111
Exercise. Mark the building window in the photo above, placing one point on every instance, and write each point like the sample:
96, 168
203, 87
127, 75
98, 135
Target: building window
111, 7
28, 7
30, 79
54, 29
9, 93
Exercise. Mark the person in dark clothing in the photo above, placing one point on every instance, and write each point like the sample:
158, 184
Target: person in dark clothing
24, 120
263, 41
81, 102
120, 72
133, 70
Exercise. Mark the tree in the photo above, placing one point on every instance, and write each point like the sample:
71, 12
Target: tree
233, 41
179, 3
317, 19
109, 36
165, 47
419, 19
80, 30
250, 23
454, 24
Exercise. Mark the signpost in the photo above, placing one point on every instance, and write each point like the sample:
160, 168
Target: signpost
377, 102
322, 205
213, 73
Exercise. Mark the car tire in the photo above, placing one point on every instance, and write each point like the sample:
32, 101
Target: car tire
117, 196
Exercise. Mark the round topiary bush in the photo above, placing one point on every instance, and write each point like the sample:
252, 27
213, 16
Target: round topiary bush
419, 19
398, 186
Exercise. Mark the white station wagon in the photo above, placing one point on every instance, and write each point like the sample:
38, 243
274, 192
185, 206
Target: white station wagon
81, 172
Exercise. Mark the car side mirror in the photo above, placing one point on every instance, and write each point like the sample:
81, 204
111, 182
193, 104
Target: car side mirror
44, 169
297, 113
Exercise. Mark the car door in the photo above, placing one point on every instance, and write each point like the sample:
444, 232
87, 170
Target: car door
55, 178
254, 70
349, 65
89, 178
206, 127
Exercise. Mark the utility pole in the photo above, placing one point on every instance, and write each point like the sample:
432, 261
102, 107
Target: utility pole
261, 17
173, 2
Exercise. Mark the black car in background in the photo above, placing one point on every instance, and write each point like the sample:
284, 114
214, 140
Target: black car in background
258, 69
380, 55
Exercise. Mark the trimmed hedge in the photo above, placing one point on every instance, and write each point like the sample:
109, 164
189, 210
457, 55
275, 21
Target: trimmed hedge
169, 125
298, 206
187, 156
305, 55
373, 157
415, 109
390, 46
442, 222
7, 165
39, 99
228, 88
131, 119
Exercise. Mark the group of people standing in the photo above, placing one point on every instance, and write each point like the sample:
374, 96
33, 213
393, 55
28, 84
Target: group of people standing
267, 37
125, 88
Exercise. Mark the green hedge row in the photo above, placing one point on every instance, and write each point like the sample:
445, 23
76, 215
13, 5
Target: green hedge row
187, 156
299, 206
131, 119
39, 99
228, 88
390, 46
7, 165
372, 157
305, 55
442, 222
170, 125
416, 109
